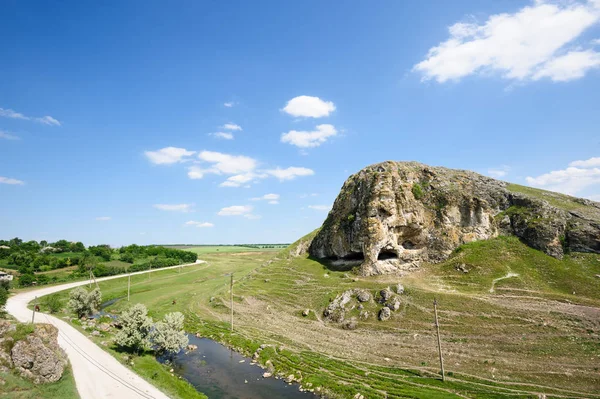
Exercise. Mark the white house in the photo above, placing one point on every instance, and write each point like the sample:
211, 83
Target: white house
6, 276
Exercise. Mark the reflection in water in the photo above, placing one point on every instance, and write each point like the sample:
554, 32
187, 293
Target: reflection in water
217, 372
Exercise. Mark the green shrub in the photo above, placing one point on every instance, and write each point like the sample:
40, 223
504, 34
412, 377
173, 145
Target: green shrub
417, 191
52, 303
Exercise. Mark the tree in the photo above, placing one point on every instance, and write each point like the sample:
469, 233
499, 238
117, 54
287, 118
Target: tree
26, 280
52, 302
168, 335
136, 327
84, 303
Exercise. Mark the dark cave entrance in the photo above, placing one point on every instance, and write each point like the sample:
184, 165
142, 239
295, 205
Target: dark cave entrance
386, 255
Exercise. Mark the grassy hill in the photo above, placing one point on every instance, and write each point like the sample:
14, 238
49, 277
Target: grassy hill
536, 331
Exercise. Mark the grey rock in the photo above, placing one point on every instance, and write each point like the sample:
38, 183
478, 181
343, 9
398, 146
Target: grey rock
38, 357
385, 314
385, 294
399, 289
363, 296
350, 324
391, 217
305, 312
394, 304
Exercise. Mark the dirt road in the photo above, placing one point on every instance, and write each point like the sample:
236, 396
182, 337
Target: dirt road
97, 374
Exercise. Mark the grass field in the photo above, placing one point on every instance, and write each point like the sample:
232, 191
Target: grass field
535, 332
208, 249
15, 387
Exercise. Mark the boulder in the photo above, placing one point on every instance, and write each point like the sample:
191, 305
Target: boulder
399, 289
350, 324
394, 304
363, 296
385, 313
385, 294
393, 216
38, 357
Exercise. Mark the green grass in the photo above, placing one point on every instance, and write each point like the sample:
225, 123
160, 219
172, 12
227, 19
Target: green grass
16, 387
558, 200
209, 249
497, 344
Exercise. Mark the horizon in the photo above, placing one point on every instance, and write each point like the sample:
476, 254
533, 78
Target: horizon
143, 123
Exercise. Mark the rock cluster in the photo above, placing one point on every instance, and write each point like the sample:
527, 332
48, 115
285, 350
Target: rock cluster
36, 357
390, 217
357, 298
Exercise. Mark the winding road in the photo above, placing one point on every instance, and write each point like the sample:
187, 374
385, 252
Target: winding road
97, 374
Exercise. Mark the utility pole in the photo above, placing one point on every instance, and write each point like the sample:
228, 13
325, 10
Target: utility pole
34, 306
231, 299
439, 341
128, 286
90, 284
149, 271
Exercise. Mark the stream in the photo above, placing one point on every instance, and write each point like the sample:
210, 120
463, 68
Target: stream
219, 373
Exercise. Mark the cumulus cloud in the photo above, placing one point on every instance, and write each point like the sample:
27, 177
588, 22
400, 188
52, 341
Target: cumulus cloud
310, 139
7, 136
572, 180
231, 126
272, 199
229, 104
241, 179
45, 120
502, 171
531, 43
320, 207
226, 163
199, 224
289, 173
588, 163
174, 207
168, 155
103, 218
223, 135
309, 107
236, 210
8, 180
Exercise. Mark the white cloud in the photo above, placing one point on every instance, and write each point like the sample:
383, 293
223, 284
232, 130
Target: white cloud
588, 163
308, 195
305, 139
229, 104
572, 65
46, 120
320, 207
222, 135
594, 197
272, 199
596, 42
168, 155
8, 180
103, 218
289, 173
499, 172
174, 207
228, 164
195, 173
570, 181
7, 136
529, 44
231, 126
310, 107
235, 210
240, 180
199, 224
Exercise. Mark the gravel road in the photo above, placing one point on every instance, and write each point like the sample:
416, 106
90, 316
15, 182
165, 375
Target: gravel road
97, 374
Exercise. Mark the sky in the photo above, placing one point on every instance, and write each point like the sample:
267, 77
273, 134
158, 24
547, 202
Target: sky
238, 122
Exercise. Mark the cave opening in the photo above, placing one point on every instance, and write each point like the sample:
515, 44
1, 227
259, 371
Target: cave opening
386, 255
354, 256
408, 245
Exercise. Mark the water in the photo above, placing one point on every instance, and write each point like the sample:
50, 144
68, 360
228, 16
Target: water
101, 311
217, 372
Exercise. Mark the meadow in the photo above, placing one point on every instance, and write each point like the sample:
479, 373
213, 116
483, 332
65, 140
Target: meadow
500, 336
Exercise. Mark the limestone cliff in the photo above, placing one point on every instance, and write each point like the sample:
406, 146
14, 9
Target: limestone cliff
392, 216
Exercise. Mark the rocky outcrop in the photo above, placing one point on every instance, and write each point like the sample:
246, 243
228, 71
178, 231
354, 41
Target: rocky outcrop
38, 357
391, 217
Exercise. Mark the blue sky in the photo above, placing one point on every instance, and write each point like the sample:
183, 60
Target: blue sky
230, 122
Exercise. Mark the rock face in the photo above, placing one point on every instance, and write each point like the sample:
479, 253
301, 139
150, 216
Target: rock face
38, 357
392, 216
